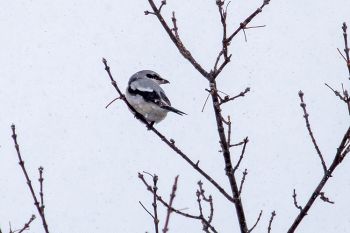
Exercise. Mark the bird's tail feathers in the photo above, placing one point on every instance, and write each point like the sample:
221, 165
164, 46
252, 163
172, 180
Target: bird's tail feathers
169, 108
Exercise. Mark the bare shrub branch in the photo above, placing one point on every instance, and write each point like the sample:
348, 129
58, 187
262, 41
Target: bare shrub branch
169, 210
29, 183
273, 214
308, 126
342, 150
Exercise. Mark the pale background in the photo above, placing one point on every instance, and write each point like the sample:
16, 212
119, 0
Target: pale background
54, 88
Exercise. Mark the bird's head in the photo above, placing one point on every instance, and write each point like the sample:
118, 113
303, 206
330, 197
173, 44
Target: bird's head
154, 77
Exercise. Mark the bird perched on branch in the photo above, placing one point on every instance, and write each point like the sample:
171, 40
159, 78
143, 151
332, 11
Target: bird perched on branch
147, 97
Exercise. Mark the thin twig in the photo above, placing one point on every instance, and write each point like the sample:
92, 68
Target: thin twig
308, 126
146, 209
172, 196
242, 155
163, 3
325, 199
256, 223
229, 124
228, 98
227, 39
208, 200
273, 214
178, 43
295, 201
245, 173
112, 102
346, 47
41, 193
205, 103
154, 204
177, 211
342, 151
26, 226
237, 144
29, 183
337, 93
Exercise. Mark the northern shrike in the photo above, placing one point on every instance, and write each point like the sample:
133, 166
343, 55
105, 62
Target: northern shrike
147, 97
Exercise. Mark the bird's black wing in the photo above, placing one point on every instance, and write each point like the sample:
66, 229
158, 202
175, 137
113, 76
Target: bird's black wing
148, 96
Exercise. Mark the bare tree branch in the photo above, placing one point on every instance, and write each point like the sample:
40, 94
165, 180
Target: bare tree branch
342, 151
154, 204
245, 173
177, 211
227, 158
26, 226
172, 196
295, 201
346, 49
228, 98
273, 214
308, 126
41, 193
325, 199
242, 155
149, 212
29, 183
227, 39
176, 39
256, 223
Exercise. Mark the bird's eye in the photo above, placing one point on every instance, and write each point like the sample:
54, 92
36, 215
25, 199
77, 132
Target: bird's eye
153, 76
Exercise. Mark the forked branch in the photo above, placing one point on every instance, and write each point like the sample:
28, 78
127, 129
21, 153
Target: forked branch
39, 208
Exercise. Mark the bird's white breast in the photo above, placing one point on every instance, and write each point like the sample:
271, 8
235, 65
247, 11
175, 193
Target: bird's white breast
149, 110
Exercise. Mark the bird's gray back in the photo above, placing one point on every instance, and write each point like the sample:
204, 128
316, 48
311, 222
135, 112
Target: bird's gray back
139, 82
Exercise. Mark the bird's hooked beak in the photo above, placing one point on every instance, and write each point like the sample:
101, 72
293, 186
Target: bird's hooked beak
164, 81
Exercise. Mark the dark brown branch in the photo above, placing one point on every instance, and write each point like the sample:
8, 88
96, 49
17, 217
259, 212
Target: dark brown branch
208, 200
229, 130
295, 201
173, 34
26, 226
176, 40
160, 199
41, 193
228, 98
225, 148
169, 142
146, 210
325, 199
346, 49
244, 24
29, 183
172, 196
227, 39
205, 102
154, 204
237, 144
256, 223
112, 102
245, 141
245, 173
163, 3
273, 214
342, 151
177, 211
206, 223
336, 93
308, 126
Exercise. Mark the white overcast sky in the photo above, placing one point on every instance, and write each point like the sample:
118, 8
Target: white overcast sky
54, 88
